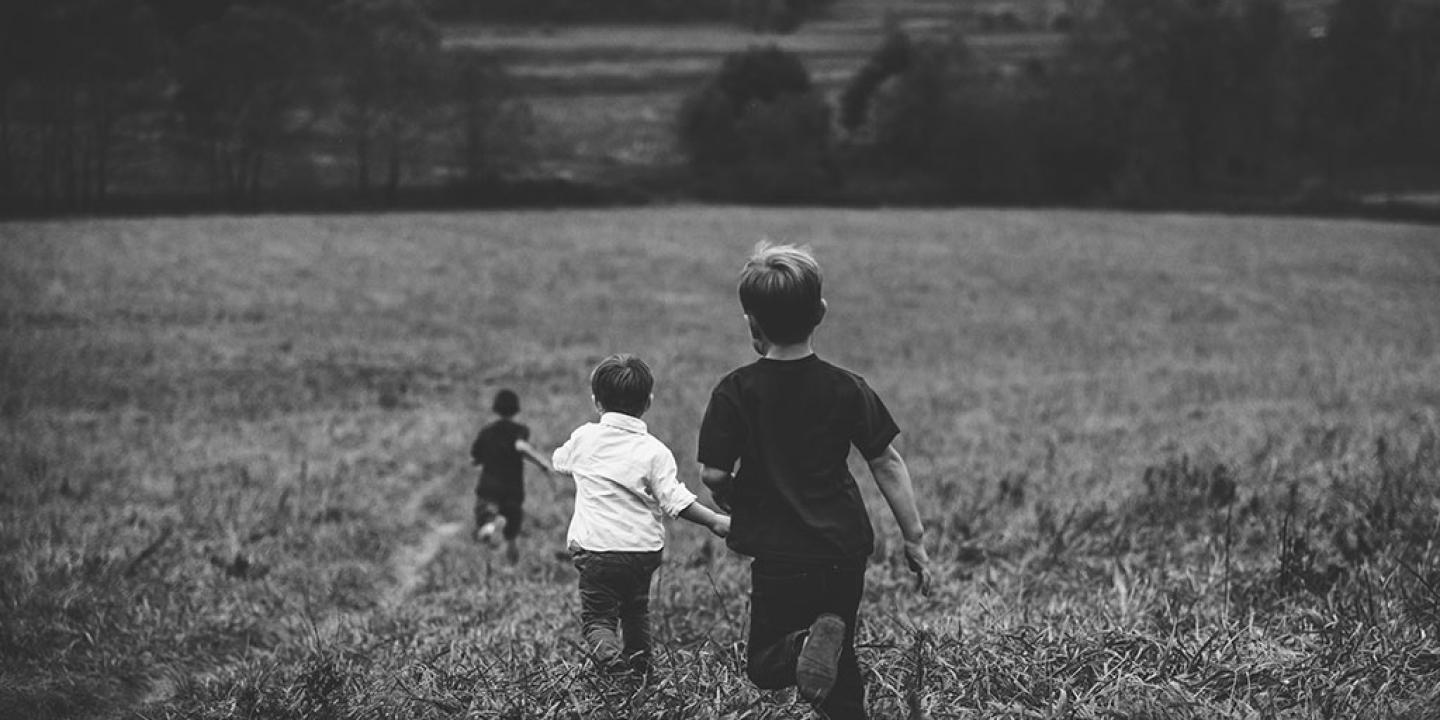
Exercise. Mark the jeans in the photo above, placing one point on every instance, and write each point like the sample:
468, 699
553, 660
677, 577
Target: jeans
785, 597
615, 589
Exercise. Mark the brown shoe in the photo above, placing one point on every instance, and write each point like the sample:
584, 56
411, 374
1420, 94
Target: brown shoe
819, 660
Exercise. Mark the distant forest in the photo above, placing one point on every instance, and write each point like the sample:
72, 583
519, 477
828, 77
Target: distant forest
213, 104
1226, 104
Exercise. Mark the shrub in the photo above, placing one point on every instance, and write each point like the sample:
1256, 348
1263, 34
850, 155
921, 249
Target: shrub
933, 110
893, 57
759, 130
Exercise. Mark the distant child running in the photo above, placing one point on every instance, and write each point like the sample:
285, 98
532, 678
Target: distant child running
789, 420
501, 449
625, 482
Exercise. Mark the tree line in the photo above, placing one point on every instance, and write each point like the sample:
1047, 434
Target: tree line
233, 103
1151, 102
236, 94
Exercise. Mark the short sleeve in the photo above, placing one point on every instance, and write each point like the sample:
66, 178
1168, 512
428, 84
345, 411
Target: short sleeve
721, 432
875, 429
522, 432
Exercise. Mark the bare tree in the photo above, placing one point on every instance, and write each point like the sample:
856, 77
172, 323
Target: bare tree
389, 54
72, 71
243, 83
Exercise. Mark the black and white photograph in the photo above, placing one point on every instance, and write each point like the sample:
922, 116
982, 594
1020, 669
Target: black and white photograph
720, 359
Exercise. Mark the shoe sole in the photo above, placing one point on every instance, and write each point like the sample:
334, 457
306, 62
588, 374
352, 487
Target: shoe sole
819, 660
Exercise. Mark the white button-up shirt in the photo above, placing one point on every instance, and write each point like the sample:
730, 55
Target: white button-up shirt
625, 479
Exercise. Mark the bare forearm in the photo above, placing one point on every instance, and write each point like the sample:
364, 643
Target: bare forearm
893, 478
540, 462
700, 515
707, 518
529, 452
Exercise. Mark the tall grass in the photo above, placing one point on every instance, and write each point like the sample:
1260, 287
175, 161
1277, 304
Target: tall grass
1172, 466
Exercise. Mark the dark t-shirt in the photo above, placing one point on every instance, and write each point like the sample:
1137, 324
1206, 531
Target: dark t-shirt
502, 478
791, 424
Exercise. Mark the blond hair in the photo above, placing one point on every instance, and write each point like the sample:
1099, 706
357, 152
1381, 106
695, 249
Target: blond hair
780, 289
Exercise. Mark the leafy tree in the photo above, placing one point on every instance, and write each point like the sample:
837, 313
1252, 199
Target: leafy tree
1417, 45
243, 82
893, 57
760, 129
914, 106
1195, 89
1357, 39
1381, 83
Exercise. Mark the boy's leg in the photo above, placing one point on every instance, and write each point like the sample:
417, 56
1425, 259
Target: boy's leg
601, 583
486, 518
844, 588
514, 514
783, 603
635, 610
785, 599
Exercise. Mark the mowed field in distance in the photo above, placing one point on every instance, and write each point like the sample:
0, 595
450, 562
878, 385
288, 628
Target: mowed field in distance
604, 97
1171, 465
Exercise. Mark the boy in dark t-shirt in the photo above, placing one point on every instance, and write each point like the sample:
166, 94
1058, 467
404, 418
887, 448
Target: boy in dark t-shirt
501, 449
773, 448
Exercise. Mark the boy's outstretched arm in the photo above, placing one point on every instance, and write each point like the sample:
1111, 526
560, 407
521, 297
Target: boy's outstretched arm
707, 518
676, 500
720, 483
894, 480
529, 452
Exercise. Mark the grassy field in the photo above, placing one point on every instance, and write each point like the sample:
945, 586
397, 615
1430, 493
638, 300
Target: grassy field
1172, 466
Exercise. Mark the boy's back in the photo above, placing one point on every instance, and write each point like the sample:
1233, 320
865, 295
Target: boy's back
502, 474
625, 481
790, 424
773, 449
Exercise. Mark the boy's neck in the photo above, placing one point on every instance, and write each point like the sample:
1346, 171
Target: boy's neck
796, 351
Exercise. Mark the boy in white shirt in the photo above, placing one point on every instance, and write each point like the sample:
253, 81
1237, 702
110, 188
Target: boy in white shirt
625, 481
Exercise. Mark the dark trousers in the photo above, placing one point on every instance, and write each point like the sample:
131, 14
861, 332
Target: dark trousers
785, 598
487, 509
615, 590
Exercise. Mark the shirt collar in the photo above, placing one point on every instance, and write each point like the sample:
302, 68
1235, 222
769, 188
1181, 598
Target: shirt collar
623, 422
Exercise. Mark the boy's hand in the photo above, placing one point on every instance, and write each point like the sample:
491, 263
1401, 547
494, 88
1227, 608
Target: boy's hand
919, 563
721, 526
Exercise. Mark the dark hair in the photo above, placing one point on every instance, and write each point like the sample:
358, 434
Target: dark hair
506, 404
780, 290
622, 383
